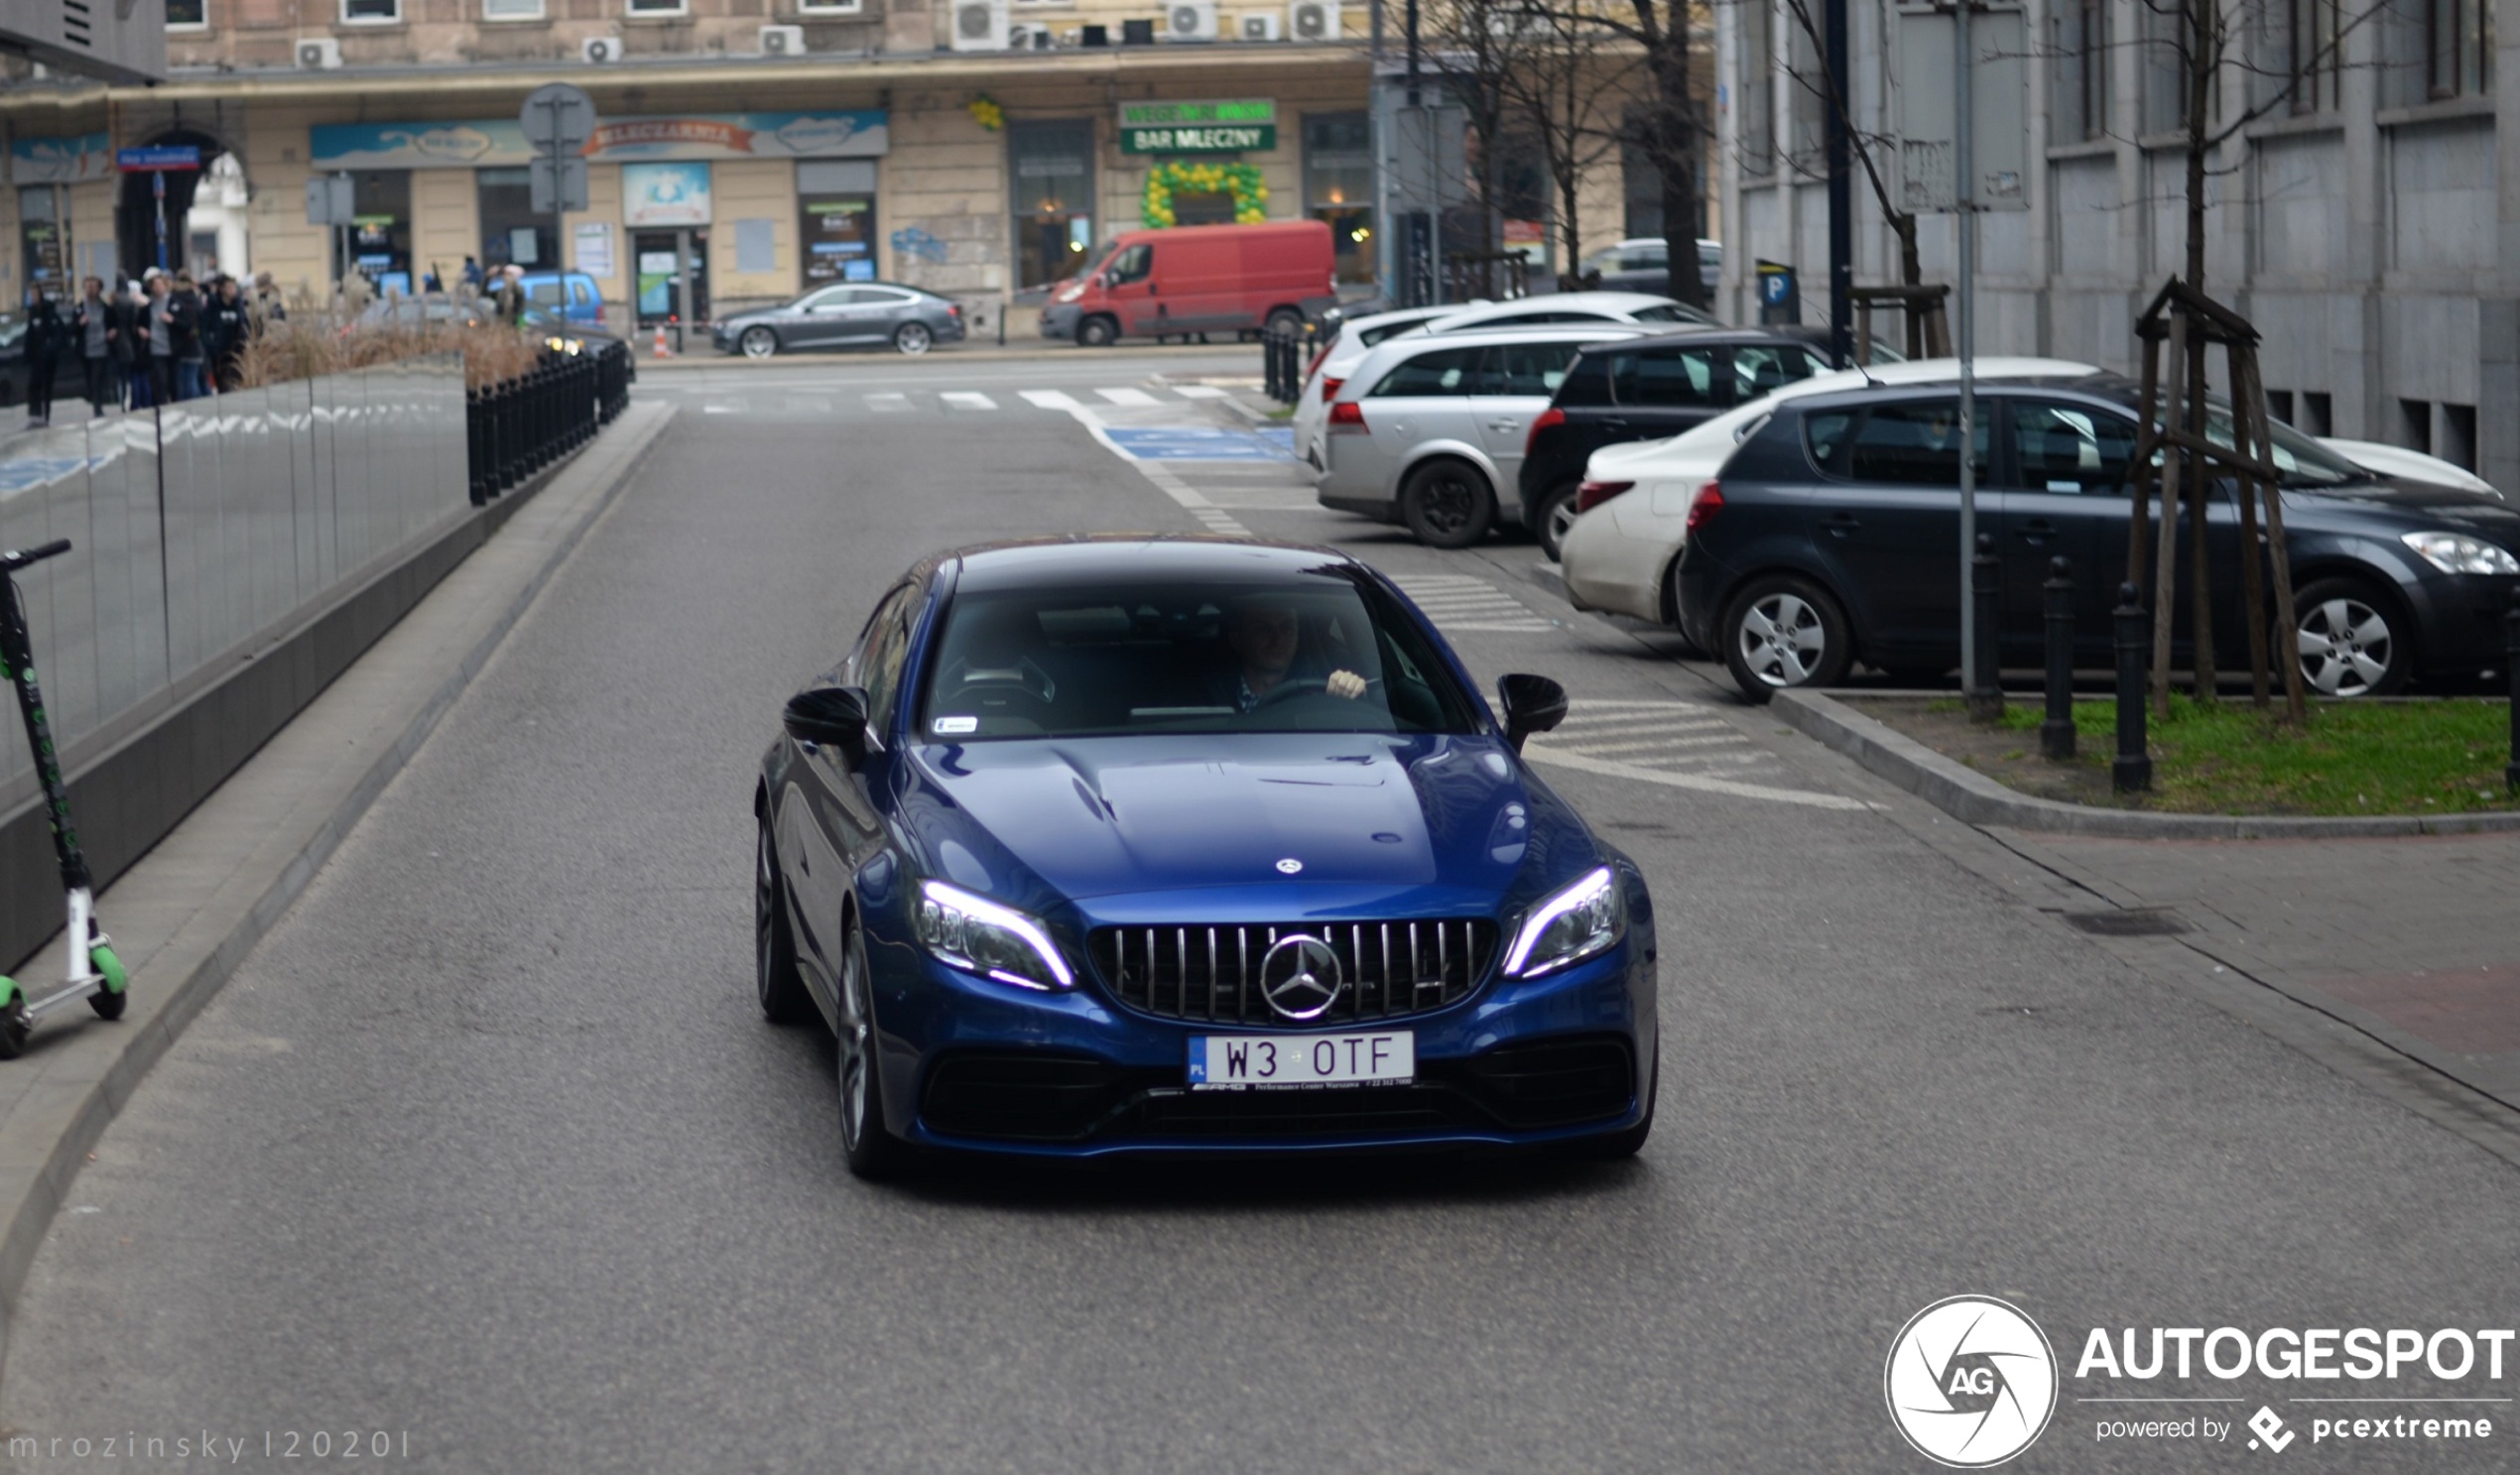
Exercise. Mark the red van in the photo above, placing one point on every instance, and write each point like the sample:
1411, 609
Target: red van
1198, 279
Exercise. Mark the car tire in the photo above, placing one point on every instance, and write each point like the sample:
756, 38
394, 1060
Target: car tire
1783, 631
868, 1146
1285, 320
2357, 640
1557, 515
913, 338
1627, 1142
758, 342
1447, 504
776, 981
1098, 333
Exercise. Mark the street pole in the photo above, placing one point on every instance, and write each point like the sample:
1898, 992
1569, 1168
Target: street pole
1842, 204
158, 188
1964, 168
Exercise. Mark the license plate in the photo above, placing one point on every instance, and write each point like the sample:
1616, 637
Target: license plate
1219, 1063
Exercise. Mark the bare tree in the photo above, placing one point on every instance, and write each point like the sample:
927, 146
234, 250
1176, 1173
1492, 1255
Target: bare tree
1672, 135
1819, 82
1571, 86
1478, 46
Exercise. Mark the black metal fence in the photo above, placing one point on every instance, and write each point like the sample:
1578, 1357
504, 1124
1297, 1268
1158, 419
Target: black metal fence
521, 425
1282, 362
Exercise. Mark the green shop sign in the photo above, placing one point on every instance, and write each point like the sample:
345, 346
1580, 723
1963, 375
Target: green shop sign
1201, 138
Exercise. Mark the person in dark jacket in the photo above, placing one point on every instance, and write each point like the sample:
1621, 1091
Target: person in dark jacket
45, 336
223, 332
92, 326
184, 316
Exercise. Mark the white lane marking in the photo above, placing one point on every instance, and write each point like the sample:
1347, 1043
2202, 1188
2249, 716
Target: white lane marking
1650, 744
1128, 396
1212, 517
1704, 783
967, 399
718, 410
1050, 399
1459, 602
888, 404
1198, 392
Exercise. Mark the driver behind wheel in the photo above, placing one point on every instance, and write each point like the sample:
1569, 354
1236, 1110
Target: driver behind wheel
1265, 634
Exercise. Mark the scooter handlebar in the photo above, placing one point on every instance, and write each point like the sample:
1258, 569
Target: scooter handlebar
18, 558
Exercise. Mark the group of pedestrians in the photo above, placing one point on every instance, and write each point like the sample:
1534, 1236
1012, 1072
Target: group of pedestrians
157, 339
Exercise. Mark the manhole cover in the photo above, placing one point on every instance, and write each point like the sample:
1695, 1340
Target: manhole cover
2142, 922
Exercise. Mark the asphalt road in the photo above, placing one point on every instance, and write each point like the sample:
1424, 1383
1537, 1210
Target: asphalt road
488, 1146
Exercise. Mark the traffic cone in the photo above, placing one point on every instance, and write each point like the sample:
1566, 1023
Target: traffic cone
659, 350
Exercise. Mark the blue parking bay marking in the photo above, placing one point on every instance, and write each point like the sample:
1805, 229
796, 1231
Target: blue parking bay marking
1197, 443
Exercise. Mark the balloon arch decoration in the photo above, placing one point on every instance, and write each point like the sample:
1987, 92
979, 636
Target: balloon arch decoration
1241, 181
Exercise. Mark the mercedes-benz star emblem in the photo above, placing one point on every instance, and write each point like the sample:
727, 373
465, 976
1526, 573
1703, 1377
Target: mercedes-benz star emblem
1299, 976
1290, 866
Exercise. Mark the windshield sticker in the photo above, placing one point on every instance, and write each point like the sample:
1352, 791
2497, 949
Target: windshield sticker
957, 724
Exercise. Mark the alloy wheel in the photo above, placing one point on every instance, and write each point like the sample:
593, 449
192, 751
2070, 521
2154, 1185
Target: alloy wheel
1450, 503
1783, 641
2346, 646
857, 1038
759, 342
914, 339
1556, 523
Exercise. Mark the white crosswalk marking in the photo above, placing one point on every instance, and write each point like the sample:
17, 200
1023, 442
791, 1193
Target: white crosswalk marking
1607, 737
1050, 399
967, 399
1457, 601
1198, 391
888, 404
1127, 396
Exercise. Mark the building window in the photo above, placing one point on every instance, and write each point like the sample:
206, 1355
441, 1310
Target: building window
2163, 52
2081, 55
188, 15
2415, 425
2458, 435
2279, 404
512, 232
2319, 413
381, 228
659, 7
2315, 58
511, 9
836, 219
39, 239
2458, 42
1051, 175
830, 7
371, 12
1338, 186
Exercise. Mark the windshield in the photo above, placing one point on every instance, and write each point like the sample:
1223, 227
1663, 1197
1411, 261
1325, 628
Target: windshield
1326, 652
2303, 461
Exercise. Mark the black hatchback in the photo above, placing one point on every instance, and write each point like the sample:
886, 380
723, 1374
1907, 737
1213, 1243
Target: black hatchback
1832, 536
1645, 389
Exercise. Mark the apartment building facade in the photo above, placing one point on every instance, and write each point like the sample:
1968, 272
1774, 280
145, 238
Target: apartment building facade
2366, 217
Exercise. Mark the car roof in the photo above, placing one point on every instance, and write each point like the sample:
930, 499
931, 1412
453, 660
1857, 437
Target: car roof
1403, 345
1090, 559
1620, 302
2099, 384
1699, 335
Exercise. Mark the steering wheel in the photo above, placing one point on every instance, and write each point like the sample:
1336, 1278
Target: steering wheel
1295, 687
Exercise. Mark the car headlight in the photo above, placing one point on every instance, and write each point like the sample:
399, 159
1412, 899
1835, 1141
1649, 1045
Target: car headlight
1070, 294
1583, 918
979, 935
2456, 552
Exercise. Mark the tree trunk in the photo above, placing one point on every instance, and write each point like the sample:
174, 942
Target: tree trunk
1676, 158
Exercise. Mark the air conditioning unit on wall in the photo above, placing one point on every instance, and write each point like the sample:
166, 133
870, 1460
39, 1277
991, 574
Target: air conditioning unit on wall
318, 53
1259, 26
1189, 20
981, 25
600, 50
783, 40
1313, 20
1032, 36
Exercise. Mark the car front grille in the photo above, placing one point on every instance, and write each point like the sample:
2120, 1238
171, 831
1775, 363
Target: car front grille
1210, 974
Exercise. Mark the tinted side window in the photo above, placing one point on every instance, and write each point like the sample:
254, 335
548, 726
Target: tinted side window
1442, 371
1914, 445
1527, 368
1666, 378
1758, 371
1587, 383
881, 648
2067, 448
1131, 264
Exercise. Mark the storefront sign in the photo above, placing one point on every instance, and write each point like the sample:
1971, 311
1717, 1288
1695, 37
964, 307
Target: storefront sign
594, 247
1160, 114
61, 161
860, 134
1220, 138
665, 195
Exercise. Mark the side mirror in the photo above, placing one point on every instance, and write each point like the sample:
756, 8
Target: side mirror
833, 716
1532, 704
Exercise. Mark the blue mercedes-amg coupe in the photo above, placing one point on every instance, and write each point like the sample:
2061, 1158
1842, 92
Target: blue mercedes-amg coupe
1114, 844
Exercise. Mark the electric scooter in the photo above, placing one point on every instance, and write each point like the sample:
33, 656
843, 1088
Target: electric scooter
94, 973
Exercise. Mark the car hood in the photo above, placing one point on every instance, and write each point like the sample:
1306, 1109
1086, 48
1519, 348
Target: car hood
2397, 462
1031, 822
2419, 506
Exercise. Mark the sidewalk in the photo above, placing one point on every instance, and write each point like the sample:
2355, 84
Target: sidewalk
2409, 940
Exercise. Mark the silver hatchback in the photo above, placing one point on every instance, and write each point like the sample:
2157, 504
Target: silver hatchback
1429, 431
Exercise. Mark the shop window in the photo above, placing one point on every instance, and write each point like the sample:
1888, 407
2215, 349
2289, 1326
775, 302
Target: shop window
1338, 187
511, 231
1050, 172
188, 15
371, 12
39, 238
836, 222
381, 228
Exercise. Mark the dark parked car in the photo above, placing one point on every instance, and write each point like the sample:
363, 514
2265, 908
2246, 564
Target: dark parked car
1095, 844
1647, 389
1832, 534
852, 315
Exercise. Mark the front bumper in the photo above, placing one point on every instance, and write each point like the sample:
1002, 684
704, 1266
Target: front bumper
1059, 319
977, 1066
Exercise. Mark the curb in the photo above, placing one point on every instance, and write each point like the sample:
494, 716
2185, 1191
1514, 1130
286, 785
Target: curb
1970, 797
72, 1084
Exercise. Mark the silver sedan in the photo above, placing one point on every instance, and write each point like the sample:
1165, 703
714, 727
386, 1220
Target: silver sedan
851, 315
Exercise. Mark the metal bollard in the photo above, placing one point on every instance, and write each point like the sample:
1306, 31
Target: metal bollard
2132, 773
1985, 588
2056, 734
2511, 673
